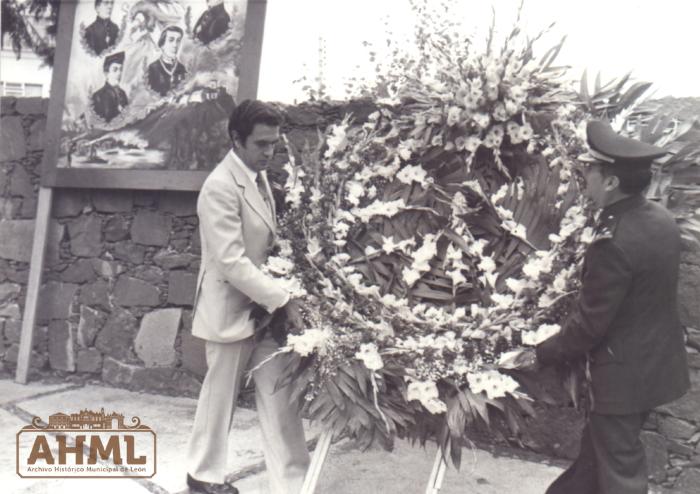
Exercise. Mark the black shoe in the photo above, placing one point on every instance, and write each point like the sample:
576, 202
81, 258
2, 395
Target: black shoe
199, 487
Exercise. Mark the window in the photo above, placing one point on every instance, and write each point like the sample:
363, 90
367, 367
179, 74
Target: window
21, 89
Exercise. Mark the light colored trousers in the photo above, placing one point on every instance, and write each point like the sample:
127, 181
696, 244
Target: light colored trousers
284, 445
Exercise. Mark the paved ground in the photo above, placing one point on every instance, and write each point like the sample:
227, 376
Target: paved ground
347, 471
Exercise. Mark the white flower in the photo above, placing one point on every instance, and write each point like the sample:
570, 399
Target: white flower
389, 245
391, 300
472, 143
544, 332
499, 112
369, 355
355, 190
421, 259
502, 301
285, 247
481, 119
337, 140
500, 194
379, 208
308, 341
495, 384
278, 266
453, 116
476, 248
487, 264
427, 393
316, 195
414, 173
540, 263
516, 286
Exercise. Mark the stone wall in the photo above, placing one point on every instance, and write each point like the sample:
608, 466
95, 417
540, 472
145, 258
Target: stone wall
120, 275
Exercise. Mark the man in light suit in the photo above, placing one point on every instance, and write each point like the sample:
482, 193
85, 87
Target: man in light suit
237, 225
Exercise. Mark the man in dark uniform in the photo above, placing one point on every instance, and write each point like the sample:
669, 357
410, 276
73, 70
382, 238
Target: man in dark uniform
625, 323
110, 100
167, 72
102, 33
212, 23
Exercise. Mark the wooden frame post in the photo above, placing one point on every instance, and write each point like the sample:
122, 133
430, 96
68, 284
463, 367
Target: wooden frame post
36, 271
317, 461
437, 475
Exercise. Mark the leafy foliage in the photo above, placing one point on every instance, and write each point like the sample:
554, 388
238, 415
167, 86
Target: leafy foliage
23, 32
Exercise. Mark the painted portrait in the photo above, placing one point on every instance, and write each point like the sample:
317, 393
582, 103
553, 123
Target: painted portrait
150, 84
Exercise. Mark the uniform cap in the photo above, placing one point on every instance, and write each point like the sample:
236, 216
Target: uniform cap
113, 58
609, 147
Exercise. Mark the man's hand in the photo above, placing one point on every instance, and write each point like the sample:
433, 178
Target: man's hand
293, 313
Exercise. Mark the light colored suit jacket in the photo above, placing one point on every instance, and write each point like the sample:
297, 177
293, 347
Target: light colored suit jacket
237, 229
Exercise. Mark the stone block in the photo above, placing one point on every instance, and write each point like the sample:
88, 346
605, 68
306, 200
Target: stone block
178, 203
86, 236
151, 228
112, 201
10, 310
81, 271
168, 259
116, 228
679, 448
89, 360
10, 208
91, 322
657, 454
688, 481
31, 106
129, 292
107, 269
130, 252
145, 198
7, 104
117, 336
118, 373
676, 428
156, 379
61, 348
37, 132
193, 354
21, 182
17, 238
56, 300
181, 288
13, 330
28, 208
69, 203
53, 248
96, 294
155, 341
687, 407
9, 291
150, 274
14, 145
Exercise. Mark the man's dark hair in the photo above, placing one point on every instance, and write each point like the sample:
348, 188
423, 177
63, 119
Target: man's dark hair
161, 40
248, 113
634, 176
99, 2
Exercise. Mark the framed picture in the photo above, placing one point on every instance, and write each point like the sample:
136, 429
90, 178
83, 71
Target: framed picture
142, 90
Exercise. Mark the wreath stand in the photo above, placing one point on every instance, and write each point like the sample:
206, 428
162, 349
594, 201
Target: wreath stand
318, 459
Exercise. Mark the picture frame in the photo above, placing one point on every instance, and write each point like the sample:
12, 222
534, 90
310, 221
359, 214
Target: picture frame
142, 90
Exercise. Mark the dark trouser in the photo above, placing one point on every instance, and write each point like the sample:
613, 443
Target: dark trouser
611, 460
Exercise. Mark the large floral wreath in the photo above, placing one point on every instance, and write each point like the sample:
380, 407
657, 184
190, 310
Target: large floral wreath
434, 241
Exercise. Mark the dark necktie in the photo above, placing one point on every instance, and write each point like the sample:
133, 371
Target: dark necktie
263, 192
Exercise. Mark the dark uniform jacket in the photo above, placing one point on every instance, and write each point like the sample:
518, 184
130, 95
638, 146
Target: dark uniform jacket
211, 24
109, 101
162, 80
101, 34
626, 318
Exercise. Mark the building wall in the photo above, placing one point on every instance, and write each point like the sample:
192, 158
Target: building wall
27, 74
120, 275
